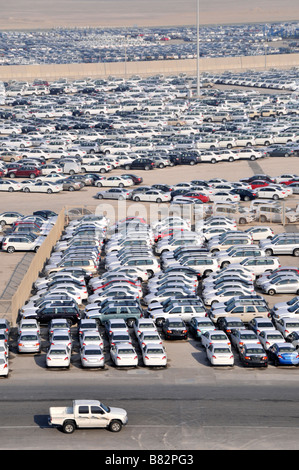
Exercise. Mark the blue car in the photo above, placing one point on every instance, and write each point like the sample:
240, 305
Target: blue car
283, 354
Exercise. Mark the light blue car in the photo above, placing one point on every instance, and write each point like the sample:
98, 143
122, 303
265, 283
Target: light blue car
198, 325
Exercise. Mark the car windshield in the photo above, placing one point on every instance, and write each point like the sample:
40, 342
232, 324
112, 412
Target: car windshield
286, 349
247, 336
205, 323
29, 338
126, 351
219, 336
2, 361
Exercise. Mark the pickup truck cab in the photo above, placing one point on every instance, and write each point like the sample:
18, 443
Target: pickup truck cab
87, 414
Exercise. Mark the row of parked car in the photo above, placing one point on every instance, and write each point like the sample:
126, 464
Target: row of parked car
138, 124
132, 296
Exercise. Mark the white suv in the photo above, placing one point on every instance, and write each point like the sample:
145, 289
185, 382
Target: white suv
21, 243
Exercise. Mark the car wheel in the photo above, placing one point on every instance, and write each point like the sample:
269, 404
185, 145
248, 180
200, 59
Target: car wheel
296, 252
10, 249
146, 167
192, 162
158, 200
159, 322
252, 157
115, 426
263, 218
121, 185
275, 197
71, 188
246, 198
127, 167
99, 196
11, 175
36, 248
99, 185
72, 172
13, 160
68, 427
102, 170
2, 223
136, 198
271, 292
49, 191
26, 190
32, 176
268, 252
231, 159
224, 264
242, 221
10, 190
213, 160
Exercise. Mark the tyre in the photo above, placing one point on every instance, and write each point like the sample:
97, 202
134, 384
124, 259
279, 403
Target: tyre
130, 322
269, 252
159, 322
115, 426
102, 170
213, 160
26, 190
231, 159
136, 198
10, 190
12, 175
158, 200
121, 185
71, 188
146, 167
224, 264
36, 249
275, 197
10, 249
246, 198
271, 292
49, 191
127, 167
296, 252
68, 427
72, 172
32, 176
242, 221
192, 162
2, 223
99, 185
100, 196
252, 158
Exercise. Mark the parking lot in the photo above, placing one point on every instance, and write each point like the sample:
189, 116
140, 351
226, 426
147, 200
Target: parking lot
187, 364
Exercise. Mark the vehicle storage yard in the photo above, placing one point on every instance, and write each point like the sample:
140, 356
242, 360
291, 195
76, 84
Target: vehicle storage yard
188, 375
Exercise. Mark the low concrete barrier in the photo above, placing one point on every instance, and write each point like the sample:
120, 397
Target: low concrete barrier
147, 68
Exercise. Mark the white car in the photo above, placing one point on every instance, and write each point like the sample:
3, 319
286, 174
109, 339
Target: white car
143, 324
92, 356
260, 232
287, 325
61, 337
214, 337
270, 192
26, 325
8, 218
242, 337
269, 337
10, 186
58, 356
124, 355
225, 294
149, 337
42, 187
224, 196
29, 342
154, 355
220, 354
114, 181
21, 242
4, 365
153, 195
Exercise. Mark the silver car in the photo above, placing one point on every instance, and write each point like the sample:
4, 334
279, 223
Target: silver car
282, 285
29, 342
92, 356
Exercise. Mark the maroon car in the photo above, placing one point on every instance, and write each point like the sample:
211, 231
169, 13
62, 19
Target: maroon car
23, 172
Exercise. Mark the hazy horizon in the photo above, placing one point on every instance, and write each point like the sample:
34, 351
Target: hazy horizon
42, 14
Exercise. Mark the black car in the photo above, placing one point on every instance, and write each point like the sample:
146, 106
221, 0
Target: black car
227, 324
46, 214
175, 328
141, 164
245, 194
253, 356
46, 314
163, 187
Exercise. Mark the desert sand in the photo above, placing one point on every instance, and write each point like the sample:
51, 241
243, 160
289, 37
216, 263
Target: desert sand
44, 14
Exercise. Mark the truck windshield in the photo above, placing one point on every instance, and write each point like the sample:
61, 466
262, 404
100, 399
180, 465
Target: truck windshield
105, 408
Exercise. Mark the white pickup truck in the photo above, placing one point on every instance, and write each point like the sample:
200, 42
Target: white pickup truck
87, 414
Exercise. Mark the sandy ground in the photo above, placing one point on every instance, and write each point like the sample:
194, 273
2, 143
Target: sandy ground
33, 14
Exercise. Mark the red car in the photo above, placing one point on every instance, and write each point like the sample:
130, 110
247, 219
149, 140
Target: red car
23, 172
196, 195
259, 184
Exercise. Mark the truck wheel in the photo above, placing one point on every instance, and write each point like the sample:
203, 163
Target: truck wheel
115, 426
68, 427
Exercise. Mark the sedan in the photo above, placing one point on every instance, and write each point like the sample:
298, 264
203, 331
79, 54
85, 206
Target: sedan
213, 337
29, 342
152, 195
154, 355
199, 325
124, 355
283, 354
114, 193
4, 368
224, 196
269, 337
58, 356
42, 187
10, 186
253, 356
243, 337
175, 328
114, 181
92, 356
220, 354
